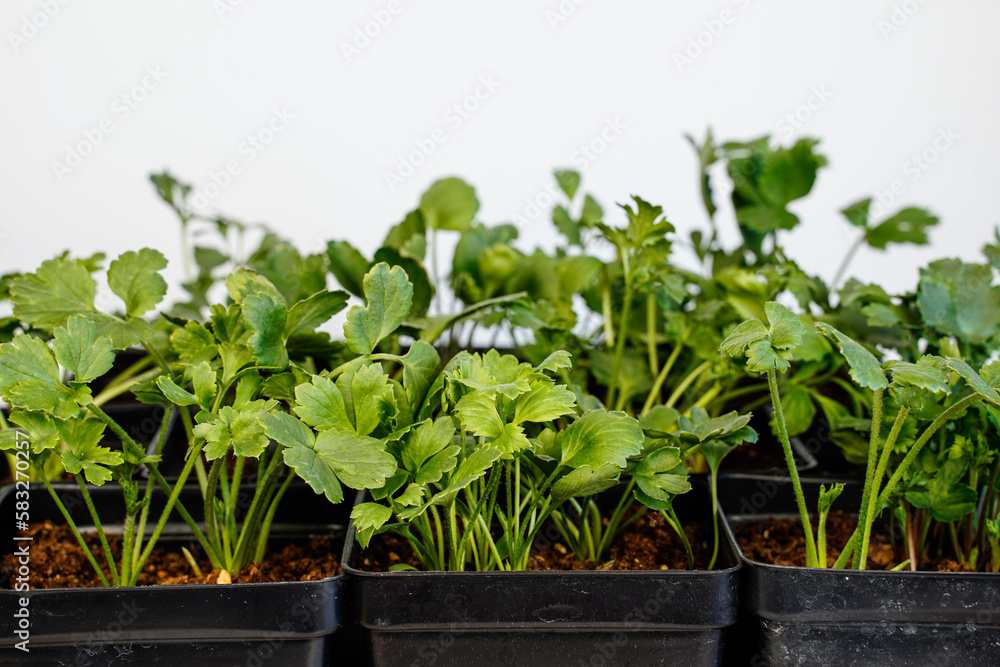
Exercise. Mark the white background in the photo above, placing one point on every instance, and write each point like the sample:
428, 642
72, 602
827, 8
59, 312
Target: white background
890, 92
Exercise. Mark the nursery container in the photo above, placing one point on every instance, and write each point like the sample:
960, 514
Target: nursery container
810, 616
287, 623
549, 618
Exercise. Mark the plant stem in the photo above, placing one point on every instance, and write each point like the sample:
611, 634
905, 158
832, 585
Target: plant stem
876, 482
654, 393
616, 365
654, 362
686, 382
860, 556
76, 531
713, 476
265, 528
671, 516
847, 260
779, 419
609, 326
115, 580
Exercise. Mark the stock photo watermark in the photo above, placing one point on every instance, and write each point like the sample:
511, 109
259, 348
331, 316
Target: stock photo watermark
712, 29
246, 152
562, 12
454, 117
22, 550
34, 23
370, 30
795, 120
121, 108
899, 16
913, 169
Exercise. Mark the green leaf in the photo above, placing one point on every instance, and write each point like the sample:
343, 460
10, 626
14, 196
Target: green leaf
135, 278
421, 366
429, 451
313, 311
359, 462
959, 299
59, 289
175, 394
372, 398
978, 384
865, 368
568, 181
544, 402
321, 405
661, 475
83, 454
555, 362
928, 373
908, 226
29, 378
348, 266
798, 408
244, 282
827, 496
314, 471
367, 518
600, 437
388, 294
123, 333
478, 414
287, 430
474, 466
239, 429
41, 428
744, 335
660, 421
857, 213
204, 382
449, 203
266, 315
584, 481
80, 351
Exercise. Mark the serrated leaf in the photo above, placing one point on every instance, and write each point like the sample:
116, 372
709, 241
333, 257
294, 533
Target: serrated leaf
555, 362
371, 398
359, 462
478, 413
321, 405
135, 278
41, 428
959, 299
203, 381
287, 430
388, 295
367, 518
266, 315
84, 455
744, 335
429, 451
584, 481
978, 384
123, 333
80, 351
661, 476
244, 282
348, 266
660, 421
786, 330
544, 402
29, 378
908, 226
925, 374
421, 366
600, 437
865, 368
59, 289
313, 311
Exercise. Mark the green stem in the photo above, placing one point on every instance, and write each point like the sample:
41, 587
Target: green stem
866, 494
713, 476
211, 525
671, 516
654, 393
876, 482
265, 528
654, 362
616, 365
800, 499
76, 531
686, 382
609, 326
115, 580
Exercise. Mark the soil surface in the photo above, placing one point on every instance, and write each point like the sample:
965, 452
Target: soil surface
782, 542
57, 561
648, 544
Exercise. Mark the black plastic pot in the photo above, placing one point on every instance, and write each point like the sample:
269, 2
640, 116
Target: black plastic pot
290, 623
809, 616
549, 618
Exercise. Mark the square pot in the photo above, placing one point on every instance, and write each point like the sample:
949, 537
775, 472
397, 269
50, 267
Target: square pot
550, 618
813, 616
283, 623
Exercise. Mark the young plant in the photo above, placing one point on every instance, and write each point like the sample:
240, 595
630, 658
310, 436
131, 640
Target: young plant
768, 349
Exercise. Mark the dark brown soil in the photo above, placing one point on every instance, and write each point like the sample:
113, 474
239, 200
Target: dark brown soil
781, 542
648, 544
57, 561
